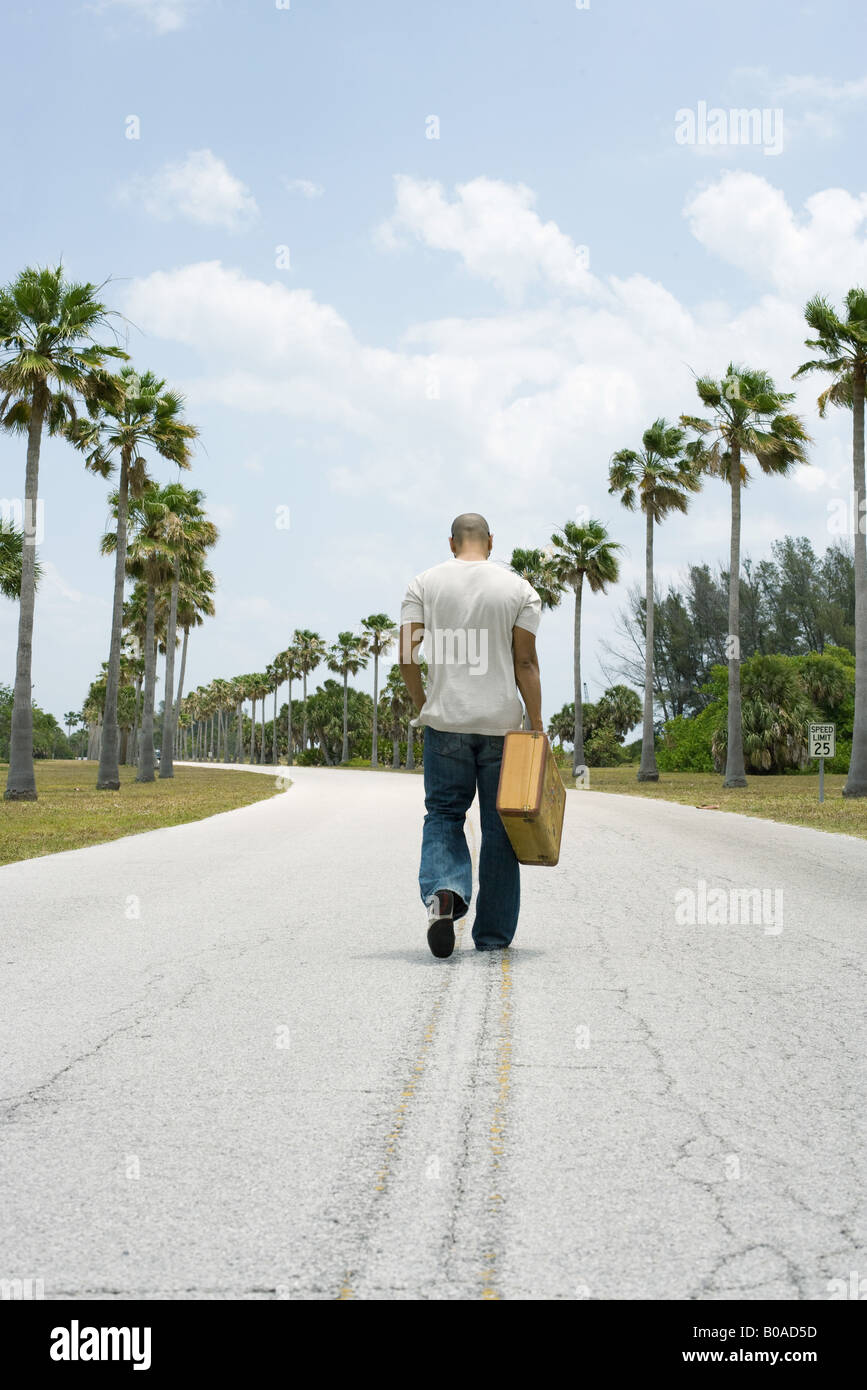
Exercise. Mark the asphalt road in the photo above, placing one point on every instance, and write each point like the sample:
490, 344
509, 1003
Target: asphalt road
231, 1068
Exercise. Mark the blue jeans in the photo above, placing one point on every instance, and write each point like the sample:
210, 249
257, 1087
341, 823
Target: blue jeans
454, 766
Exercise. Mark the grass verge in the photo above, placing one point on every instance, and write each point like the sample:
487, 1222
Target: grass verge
792, 800
70, 813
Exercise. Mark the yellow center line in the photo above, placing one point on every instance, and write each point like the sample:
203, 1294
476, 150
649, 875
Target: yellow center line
384, 1173
498, 1128
407, 1094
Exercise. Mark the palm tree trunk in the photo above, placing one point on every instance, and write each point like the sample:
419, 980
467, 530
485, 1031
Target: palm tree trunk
648, 771
262, 758
578, 730
323, 744
108, 774
167, 745
345, 754
146, 751
180, 693
856, 782
374, 747
735, 775
274, 739
21, 781
289, 729
253, 731
395, 741
304, 718
410, 743
133, 749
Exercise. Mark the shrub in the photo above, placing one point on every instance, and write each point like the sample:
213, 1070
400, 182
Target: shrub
311, 757
686, 743
603, 748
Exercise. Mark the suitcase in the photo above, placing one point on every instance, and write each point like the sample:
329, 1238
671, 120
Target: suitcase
531, 797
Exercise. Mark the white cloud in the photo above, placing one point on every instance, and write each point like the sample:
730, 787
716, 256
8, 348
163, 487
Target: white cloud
810, 479
813, 106
165, 16
223, 514
823, 90
305, 187
199, 189
535, 399
54, 587
515, 413
493, 227
747, 222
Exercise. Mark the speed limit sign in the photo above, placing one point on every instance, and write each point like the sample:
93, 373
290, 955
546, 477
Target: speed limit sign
822, 744
822, 740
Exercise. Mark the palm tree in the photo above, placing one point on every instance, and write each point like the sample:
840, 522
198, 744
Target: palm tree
150, 560
394, 696
537, 568
311, 650
258, 686
237, 695
144, 415
135, 624
12, 547
348, 655
579, 552
194, 605
277, 670
223, 696
291, 667
188, 534
747, 419
247, 684
620, 708
381, 632
843, 345
264, 689
659, 479
561, 726
47, 359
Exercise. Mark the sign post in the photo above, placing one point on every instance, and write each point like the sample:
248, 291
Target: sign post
823, 744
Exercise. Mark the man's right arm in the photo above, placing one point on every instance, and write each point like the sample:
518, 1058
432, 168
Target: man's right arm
527, 677
411, 635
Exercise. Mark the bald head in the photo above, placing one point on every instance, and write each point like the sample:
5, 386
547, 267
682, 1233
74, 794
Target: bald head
471, 535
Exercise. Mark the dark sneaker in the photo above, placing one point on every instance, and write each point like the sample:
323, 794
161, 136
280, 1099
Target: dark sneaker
441, 924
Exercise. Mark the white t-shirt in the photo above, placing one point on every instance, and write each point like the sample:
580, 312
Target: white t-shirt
469, 608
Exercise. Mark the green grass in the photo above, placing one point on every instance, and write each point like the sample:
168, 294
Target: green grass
70, 813
793, 800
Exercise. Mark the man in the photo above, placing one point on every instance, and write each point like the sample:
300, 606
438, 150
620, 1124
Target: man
479, 622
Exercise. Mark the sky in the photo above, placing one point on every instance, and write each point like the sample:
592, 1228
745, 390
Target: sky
406, 260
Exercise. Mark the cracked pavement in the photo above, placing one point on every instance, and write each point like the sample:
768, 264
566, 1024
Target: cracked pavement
232, 1069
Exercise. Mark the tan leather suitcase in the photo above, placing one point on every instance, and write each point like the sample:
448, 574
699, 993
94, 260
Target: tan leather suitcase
531, 797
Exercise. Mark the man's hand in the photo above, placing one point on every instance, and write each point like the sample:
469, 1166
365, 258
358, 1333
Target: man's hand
527, 676
411, 635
